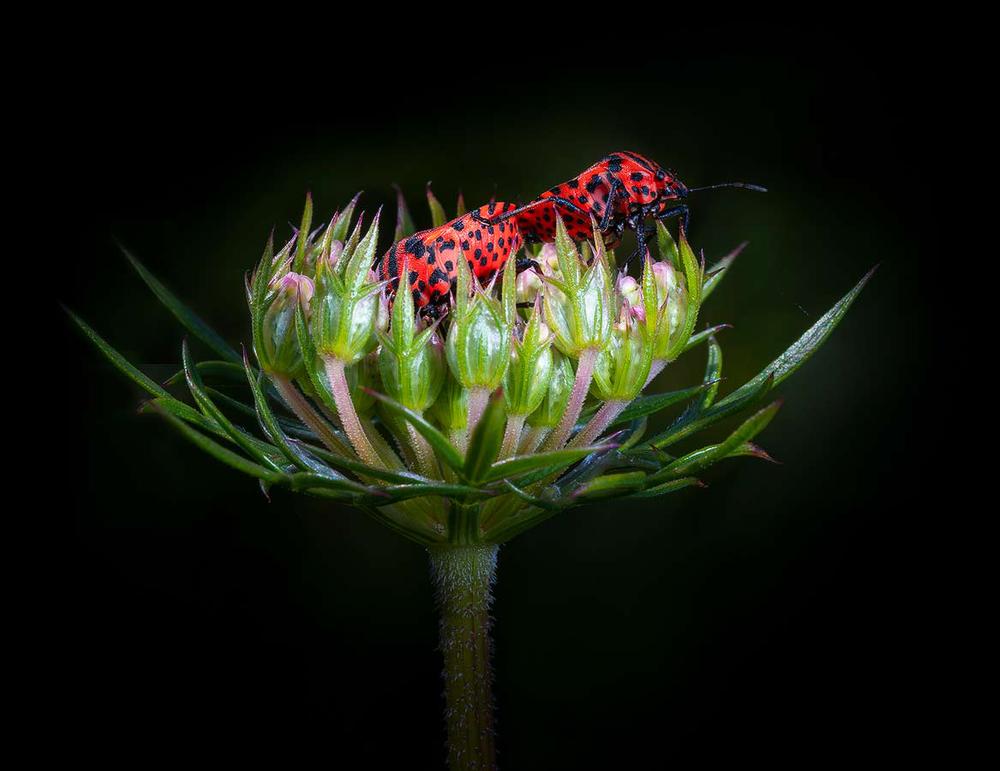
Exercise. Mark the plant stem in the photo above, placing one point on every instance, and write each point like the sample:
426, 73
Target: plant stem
604, 417
348, 415
463, 578
423, 453
304, 411
478, 399
531, 438
511, 436
584, 374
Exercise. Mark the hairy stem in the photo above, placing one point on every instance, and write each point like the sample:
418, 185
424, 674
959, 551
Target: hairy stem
304, 411
423, 452
478, 399
511, 436
463, 579
348, 415
604, 418
584, 374
531, 438
382, 447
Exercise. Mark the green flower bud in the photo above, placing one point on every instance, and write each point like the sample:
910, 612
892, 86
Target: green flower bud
529, 286
345, 306
560, 384
676, 311
548, 260
278, 349
527, 378
451, 410
411, 364
479, 339
621, 369
478, 346
579, 307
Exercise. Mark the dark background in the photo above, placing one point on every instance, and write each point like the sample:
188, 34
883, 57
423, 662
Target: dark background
769, 616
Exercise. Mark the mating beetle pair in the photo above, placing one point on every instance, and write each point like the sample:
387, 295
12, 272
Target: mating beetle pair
620, 191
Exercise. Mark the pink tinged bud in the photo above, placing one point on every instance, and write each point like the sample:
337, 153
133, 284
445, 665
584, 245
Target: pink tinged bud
666, 280
548, 259
336, 249
295, 283
631, 294
529, 284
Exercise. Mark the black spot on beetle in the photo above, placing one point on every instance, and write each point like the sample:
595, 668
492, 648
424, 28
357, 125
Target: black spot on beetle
413, 277
636, 176
573, 184
449, 266
415, 247
459, 225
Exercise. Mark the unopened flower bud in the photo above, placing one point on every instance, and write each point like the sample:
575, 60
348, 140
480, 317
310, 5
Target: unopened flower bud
671, 302
548, 259
413, 375
558, 388
279, 351
345, 308
527, 378
451, 409
478, 345
579, 305
621, 369
529, 284
632, 299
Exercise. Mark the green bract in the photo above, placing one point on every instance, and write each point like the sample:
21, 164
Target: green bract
345, 305
579, 306
527, 378
351, 402
480, 333
411, 364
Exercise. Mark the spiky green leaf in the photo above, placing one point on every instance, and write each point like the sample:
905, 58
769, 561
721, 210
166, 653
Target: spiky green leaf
188, 318
799, 352
484, 444
444, 449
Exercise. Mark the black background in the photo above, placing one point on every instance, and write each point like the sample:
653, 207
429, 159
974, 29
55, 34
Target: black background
769, 616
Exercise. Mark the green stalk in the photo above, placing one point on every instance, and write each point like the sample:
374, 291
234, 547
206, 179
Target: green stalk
604, 417
478, 398
511, 436
532, 438
584, 374
463, 579
298, 404
348, 415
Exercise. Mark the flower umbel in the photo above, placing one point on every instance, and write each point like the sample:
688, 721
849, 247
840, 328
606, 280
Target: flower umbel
525, 400
325, 341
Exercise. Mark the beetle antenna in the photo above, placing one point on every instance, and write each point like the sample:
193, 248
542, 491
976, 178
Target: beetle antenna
746, 185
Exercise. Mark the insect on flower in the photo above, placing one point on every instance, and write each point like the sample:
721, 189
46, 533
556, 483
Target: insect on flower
430, 257
620, 191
